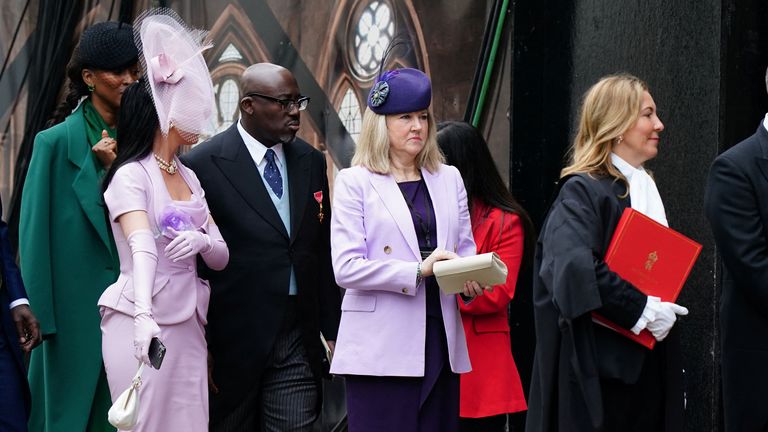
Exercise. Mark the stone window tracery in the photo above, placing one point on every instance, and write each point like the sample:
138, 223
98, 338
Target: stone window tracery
374, 31
350, 116
227, 99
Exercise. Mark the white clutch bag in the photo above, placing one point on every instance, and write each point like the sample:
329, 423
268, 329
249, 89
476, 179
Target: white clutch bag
125, 410
486, 269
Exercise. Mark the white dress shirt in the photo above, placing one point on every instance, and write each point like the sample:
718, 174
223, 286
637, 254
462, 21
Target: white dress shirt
258, 152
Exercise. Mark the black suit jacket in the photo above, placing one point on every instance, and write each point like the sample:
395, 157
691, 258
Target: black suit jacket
12, 289
248, 298
736, 204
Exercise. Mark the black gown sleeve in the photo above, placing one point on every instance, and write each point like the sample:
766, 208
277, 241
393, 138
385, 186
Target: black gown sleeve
572, 261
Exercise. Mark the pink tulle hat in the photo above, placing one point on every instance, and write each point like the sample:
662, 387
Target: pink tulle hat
176, 72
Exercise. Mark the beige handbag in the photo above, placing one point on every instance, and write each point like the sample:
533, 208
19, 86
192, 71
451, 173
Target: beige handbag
486, 269
125, 410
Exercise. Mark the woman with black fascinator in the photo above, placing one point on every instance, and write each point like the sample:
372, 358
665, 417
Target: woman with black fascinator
67, 255
499, 224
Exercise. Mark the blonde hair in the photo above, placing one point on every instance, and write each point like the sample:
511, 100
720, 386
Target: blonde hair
609, 109
372, 151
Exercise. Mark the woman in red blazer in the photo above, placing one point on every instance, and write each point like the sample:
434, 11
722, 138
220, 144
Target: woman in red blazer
499, 224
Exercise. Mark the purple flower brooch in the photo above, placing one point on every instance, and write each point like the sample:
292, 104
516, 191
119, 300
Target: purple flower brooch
380, 90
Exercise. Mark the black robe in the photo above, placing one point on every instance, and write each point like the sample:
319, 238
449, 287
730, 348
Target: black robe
574, 356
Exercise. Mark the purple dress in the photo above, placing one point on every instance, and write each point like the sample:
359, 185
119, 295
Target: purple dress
406, 404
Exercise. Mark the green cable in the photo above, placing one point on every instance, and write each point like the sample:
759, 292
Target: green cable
489, 67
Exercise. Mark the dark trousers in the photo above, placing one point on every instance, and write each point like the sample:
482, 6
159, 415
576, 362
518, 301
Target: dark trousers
636, 407
286, 398
483, 424
13, 414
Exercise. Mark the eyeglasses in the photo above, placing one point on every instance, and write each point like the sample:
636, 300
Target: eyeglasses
287, 104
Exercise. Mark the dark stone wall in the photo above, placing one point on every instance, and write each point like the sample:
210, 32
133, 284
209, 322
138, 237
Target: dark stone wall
745, 57
539, 119
705, 63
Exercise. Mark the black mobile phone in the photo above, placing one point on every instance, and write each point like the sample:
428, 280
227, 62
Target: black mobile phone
156, 353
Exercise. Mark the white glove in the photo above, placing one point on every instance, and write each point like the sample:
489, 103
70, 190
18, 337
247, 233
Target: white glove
144, 254
652, 307
665, 319
187, 244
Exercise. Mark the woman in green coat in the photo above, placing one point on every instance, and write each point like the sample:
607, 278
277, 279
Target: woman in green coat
68, 256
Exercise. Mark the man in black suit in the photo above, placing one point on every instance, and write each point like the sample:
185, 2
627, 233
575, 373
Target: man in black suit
268, 193
736, 204
19, 331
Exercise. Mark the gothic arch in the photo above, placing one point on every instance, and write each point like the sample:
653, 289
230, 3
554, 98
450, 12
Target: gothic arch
234, 27
235, 37
354, 113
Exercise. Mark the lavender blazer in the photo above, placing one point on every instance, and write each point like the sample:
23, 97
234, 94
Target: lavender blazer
375, 254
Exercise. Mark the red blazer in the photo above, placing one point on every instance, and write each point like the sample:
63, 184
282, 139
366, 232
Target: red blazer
493, 387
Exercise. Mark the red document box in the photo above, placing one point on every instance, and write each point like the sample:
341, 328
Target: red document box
653, 258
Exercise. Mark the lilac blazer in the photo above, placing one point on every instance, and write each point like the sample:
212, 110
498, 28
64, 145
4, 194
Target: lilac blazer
375, 254
178, 293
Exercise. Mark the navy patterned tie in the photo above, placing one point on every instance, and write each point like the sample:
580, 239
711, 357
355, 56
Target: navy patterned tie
272, 174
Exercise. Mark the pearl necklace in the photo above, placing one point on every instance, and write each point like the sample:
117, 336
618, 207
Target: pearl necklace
170, 168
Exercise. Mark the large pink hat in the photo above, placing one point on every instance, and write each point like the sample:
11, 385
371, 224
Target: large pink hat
177, 74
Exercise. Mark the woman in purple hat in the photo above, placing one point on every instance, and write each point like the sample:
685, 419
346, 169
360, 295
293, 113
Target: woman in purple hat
397, 211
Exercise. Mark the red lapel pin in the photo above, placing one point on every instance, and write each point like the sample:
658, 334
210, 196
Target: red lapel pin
319, 198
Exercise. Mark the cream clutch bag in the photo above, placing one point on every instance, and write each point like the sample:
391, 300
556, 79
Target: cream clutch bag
124, 412
486, 269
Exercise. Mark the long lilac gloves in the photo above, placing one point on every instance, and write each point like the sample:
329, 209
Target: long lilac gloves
217, 256
210, 246
144, 252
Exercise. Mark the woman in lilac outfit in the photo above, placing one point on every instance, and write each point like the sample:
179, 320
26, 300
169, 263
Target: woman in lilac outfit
161, 223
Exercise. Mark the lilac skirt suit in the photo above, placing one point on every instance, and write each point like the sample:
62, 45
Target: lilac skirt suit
175, 397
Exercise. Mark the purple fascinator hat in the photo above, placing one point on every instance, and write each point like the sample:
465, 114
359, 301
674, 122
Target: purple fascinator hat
177, 75
400, 91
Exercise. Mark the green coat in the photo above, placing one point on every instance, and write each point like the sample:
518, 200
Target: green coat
68, 258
